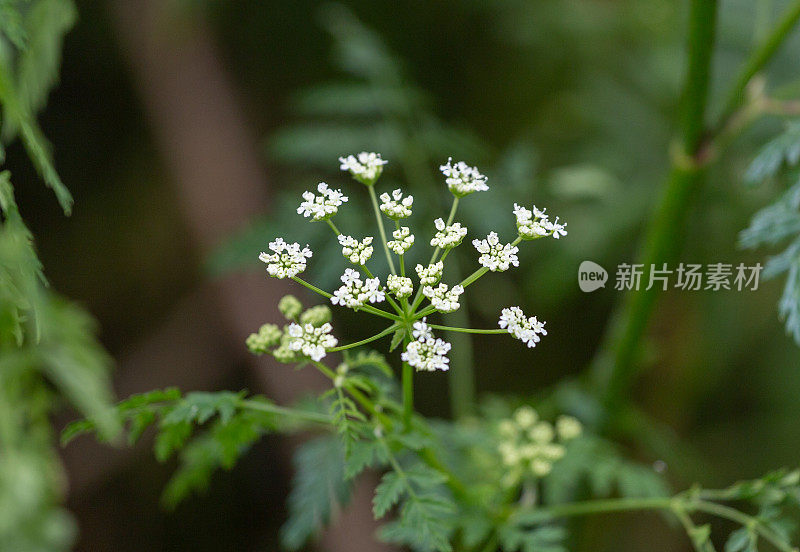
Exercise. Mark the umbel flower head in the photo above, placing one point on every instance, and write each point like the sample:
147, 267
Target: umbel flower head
442, 299
365, 167
286, 260
528, 445
403, 240
496, 256
426, 353
357, 252
533, 224
462, 179
310, 340
396, 206
521, 327
448, 237
356, 293
400, 286
429, 275
323, 206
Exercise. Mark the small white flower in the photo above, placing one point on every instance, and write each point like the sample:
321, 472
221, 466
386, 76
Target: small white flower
365, 167
448, 237
521, 327
323, 206
287, 259
356, 252
421, 330
462, 179
403, 240
311, 341
495, 256
431, 274
356, 293
532, 224
442, 299
400, 286
426, 353
396, 206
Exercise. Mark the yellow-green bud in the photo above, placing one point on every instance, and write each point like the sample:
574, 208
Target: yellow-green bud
290, 307
568, 428
269, 335
316, 316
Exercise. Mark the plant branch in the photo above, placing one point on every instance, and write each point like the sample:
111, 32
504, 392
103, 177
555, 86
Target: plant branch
757, 61
373, 197
615, 366
384, 333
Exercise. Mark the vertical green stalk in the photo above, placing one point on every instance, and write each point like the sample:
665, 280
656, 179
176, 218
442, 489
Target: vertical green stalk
381, 229
461, 375
408, 388
615, 367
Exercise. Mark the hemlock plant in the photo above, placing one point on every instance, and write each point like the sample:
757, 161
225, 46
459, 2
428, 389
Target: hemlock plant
509, 479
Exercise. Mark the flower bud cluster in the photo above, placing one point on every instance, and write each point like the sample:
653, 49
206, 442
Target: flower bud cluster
529, 446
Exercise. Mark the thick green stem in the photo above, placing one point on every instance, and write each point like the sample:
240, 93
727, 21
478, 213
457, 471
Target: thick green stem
374, 198
333, 227
757, 61
615, 367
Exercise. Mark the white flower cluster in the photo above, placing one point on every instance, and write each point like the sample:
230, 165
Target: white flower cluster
532, 224
448, 237
365, 167
400, 286
287, 259
396, 206
462, 179
311, 341
356, 293
426, 353
528, 447
357, 252
442, 299
429, 275
403, 240
521, 327
323, 206
495, 256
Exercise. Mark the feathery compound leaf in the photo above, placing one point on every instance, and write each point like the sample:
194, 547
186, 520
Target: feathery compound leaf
218, 448
785, 149
387, 493
318, 487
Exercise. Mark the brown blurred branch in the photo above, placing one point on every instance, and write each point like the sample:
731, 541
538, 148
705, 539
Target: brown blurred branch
204, 139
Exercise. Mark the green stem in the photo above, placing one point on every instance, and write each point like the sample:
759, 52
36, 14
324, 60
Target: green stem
408, 387
384, 333
360, 398
333, 227
366, 308
615, 366
373, 197
260, 406
758, 60
467, 330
